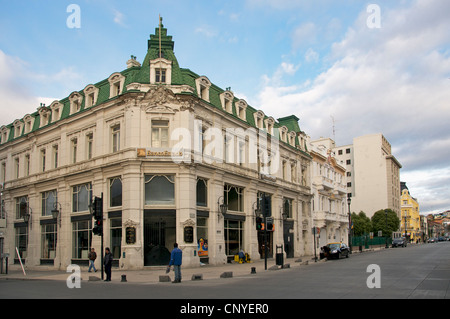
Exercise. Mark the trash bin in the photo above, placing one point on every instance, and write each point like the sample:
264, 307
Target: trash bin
279, 255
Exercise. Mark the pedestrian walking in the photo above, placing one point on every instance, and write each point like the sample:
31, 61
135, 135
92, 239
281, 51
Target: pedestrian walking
92, 257
108, 263
176, 257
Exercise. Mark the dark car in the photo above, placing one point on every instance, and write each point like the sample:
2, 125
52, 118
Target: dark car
397, 242
336, 250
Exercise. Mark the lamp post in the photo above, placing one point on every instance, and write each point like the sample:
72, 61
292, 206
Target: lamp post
56, 213
349, 200
386, 213
223, 208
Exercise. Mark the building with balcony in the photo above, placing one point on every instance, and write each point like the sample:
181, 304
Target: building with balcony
328, 186
175, 159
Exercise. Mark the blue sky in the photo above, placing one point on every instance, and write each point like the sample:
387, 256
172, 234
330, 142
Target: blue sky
319, 60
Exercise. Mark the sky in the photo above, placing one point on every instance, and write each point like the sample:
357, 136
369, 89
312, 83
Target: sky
345, 68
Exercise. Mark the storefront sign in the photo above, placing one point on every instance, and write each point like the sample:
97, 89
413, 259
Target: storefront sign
188, 234
142, 152
130, 235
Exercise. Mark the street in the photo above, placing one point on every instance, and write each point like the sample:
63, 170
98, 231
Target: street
416, 272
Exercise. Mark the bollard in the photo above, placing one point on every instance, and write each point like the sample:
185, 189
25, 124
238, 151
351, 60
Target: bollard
124, 278
253, 270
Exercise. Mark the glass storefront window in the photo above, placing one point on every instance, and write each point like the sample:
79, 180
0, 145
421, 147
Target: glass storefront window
115, 192
202, 192
234, 236
48, 202
49, 239
159, 190
22, 241
81, 195
202, 236
234, 198
81, 235
116, 237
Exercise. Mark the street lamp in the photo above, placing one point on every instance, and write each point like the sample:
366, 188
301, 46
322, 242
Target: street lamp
349, 200
223, 208
56, 213
256, 210
386, 213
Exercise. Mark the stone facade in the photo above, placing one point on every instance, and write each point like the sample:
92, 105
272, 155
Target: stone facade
165, 148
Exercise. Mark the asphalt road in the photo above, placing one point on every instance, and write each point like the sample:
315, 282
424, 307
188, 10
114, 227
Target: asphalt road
417, 272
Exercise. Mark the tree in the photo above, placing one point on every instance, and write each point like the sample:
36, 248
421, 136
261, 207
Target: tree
379, 222
361, 224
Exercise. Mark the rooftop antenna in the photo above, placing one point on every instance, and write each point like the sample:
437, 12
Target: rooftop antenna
160, 53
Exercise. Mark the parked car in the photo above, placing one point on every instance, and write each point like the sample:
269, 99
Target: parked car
336, 250
432, 240
397, 242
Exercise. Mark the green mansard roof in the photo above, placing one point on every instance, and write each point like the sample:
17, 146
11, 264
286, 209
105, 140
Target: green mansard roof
141, 74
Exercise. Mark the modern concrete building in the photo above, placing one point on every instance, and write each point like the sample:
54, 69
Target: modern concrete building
373, 174
329, 189
175, 158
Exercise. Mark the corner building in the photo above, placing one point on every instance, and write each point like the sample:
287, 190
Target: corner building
168, 150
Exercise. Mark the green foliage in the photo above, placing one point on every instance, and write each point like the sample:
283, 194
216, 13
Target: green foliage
387, 224
361, 224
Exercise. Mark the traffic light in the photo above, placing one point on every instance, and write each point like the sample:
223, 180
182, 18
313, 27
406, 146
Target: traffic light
97, 213
269, 223
266, 205
259, 223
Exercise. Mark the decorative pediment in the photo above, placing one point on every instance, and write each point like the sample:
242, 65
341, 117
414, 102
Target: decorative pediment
130, 223
160, 99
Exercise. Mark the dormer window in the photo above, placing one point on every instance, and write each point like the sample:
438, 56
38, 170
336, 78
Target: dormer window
203, 84
241, 109
116, 82
56, 109
292, 136
226, 98
269, 125
4, 134
259, 119
44, 114
283, 133
75, 102
18, 127
160, 75
160, 71
29, 120
90, 95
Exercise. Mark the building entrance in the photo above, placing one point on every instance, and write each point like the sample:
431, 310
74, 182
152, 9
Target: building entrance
159, 236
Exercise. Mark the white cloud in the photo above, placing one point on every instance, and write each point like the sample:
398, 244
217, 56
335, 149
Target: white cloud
16, 96
392, 80
119, 18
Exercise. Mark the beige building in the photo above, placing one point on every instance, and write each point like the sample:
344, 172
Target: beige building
328, 176
168, 151
373, 174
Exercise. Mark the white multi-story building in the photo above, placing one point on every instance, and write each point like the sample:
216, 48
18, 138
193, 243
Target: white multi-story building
330, 213
168, 151
373, 174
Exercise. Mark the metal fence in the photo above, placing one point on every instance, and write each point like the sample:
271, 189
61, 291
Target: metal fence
365, 242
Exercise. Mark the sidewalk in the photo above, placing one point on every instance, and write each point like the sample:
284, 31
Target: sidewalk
152, 274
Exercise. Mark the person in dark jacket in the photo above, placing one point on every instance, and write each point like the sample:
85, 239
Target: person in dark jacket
175, 259
108, 263
92, 257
